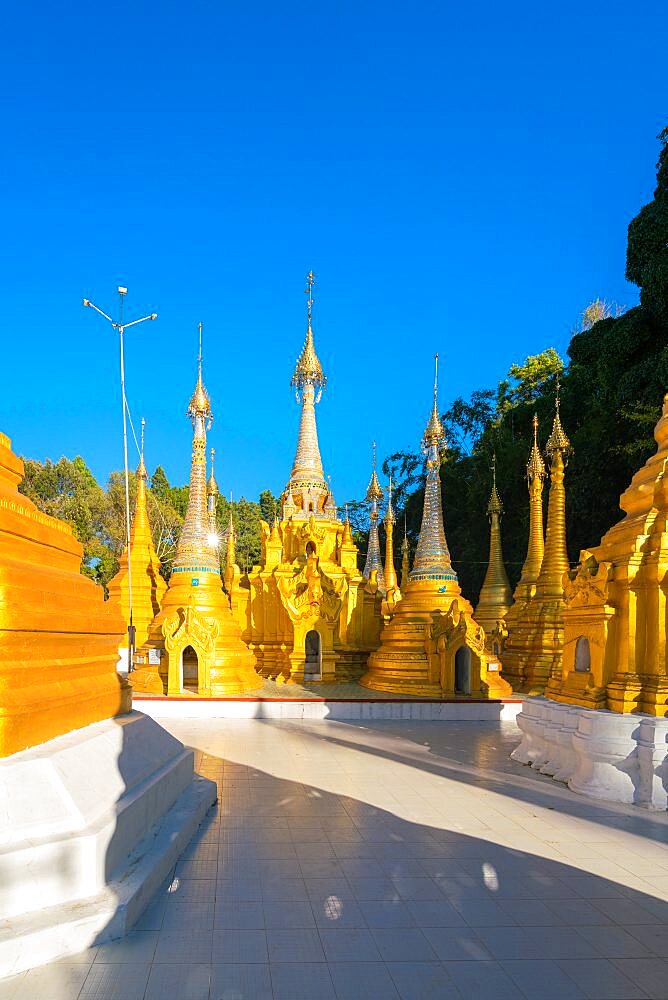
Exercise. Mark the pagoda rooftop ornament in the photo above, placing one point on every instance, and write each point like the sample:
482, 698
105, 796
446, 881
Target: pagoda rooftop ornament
200, 405
308, 370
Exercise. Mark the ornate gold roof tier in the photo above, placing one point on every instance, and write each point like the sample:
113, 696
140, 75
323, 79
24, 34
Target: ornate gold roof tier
536, 635
495, 596
518, 622
195, 637
307, 494
431, 645
58, 636
615, 616
373, 563
148, 586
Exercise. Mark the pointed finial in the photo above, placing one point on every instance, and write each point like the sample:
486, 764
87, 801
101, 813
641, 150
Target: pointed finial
433, 440
308, 370
200, 403
309, 291
212, 485
389, 514
347, 518
374, 491
494, 506
535, 465
141, 470
557, 441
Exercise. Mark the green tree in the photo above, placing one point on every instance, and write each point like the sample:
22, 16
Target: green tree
67, 489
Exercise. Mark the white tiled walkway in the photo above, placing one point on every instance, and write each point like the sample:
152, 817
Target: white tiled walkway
389, 860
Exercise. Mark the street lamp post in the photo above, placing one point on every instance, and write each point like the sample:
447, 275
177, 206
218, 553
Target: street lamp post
121, 327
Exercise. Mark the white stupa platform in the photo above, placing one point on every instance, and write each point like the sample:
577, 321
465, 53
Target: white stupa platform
90, 825
622, 758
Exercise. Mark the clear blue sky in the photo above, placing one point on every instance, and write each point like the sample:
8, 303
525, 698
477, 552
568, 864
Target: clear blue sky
459, 177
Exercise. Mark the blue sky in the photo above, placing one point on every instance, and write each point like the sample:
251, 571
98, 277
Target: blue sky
459, 177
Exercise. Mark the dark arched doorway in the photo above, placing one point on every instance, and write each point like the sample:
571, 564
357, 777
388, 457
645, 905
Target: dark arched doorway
463, 670
189, 669
312, 656
582, 655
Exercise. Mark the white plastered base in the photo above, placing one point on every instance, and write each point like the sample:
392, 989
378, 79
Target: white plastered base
622, 758
90, 825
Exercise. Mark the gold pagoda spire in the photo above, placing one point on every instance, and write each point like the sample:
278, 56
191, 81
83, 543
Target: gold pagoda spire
405, 558
536, 544
211, 495
549, 584
374, 495
148, 586
347, 537
432, 557
141, 529
495, 595
307, 480
230, 557
389, 522
194, 551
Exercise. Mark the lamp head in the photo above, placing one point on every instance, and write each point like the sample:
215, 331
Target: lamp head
122, 291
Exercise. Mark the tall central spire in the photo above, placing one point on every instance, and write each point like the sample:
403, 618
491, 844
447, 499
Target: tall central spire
307, 484
432, 557
194, 550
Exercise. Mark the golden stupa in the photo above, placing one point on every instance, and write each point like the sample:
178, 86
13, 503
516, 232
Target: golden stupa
142, 575
430, 644
194, 642
535, 642
496, 597
305, 611
615, 617
58, 637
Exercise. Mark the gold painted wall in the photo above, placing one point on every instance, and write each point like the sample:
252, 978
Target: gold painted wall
58, 637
